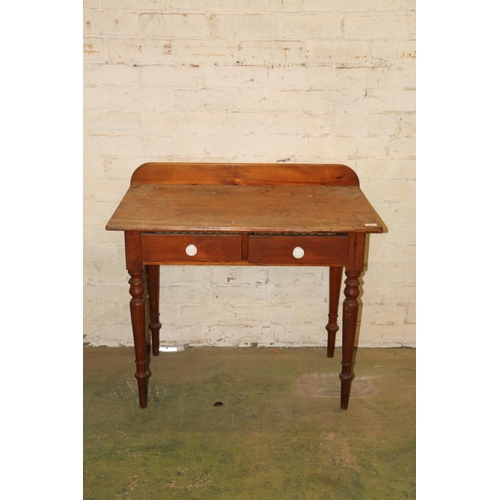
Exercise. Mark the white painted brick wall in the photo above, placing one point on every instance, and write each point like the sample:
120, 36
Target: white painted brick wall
240, 80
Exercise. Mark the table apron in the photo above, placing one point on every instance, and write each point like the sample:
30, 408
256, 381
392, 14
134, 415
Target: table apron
226, 249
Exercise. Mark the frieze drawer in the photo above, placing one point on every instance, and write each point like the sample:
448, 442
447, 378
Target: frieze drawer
191, 247
298, 250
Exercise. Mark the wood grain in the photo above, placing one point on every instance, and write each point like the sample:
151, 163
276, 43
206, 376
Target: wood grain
171, 248
277, 250
245, 208
245, 174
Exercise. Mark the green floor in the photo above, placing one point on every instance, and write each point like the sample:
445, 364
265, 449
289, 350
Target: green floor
279, 433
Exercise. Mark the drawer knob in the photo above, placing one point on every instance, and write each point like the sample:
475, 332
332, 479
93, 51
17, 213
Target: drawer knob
298, 252
191, 250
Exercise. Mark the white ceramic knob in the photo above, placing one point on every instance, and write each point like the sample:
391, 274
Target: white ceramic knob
191, 250
298, 252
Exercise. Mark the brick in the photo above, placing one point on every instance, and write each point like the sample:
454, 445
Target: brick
366, 124
207, 315
110, 334
94, 98
109, 293
170, 320
108, 252
372, 27
203, 99
326, 145
178, 25
120, 4
100, 121
327, 101
341, 52
394, 77
396, 99
184, 276
312, 314
367, 5
91, 273
385, 336
374, 77
172, 5
393, 252
369, 168
158, 146
398, 210
298, 123
259, 313
408, 5
387, 315
386, 273
216, 6
389, 189
318, 6
410, 274
391, 52
304, 294
180, 295
115, 145
407, 125
87, 22
316, 26
95, 231
158, 122
100, 313
284, 277
235, 76
352, 77
245, 27
301, 77
247, 52
115, 273
139, 50
212, 51
170, 76
102, 211
397, 293
140, 99
236, 294
372, 147
118, 168
254, 276
91, 4
115, 23
117, 75
402, 147
265, 99
102, 192
93, 49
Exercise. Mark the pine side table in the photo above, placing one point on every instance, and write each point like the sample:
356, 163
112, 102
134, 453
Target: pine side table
241, 215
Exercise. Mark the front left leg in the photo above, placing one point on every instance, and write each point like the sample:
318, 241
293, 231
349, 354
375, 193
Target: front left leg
133, 254
138, 316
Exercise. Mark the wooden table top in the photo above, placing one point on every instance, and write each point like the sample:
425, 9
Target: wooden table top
230, 208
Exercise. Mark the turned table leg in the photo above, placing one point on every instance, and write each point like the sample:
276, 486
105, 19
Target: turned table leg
333, 308
350, 313
153, 273
138, 312
349, 319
